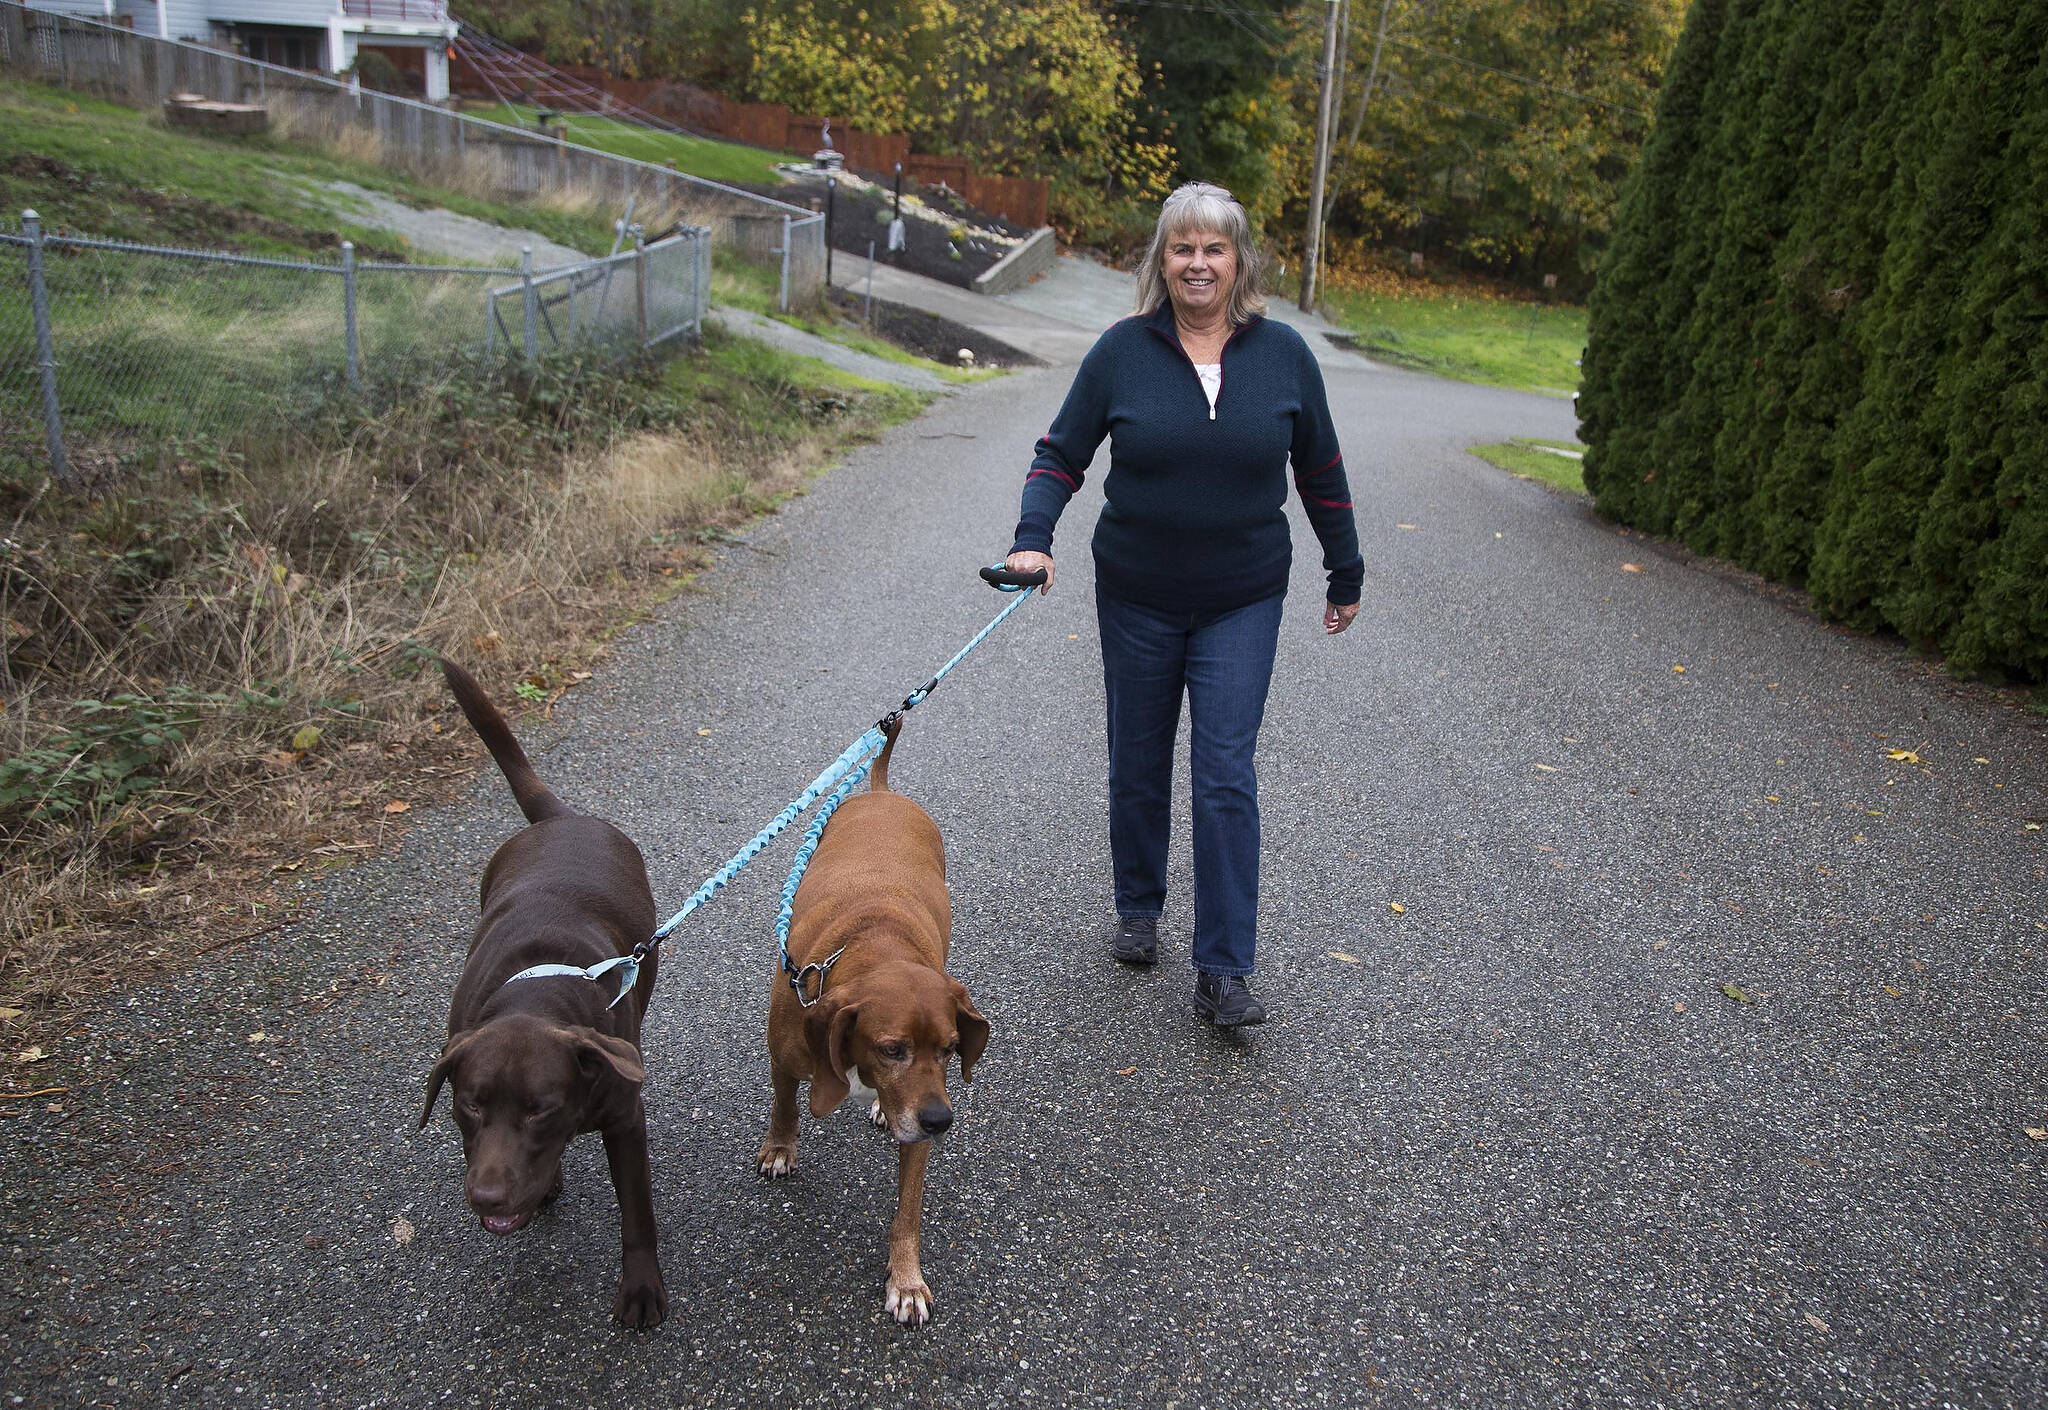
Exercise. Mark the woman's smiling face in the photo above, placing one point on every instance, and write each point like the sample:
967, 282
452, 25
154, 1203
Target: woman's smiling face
1200, 268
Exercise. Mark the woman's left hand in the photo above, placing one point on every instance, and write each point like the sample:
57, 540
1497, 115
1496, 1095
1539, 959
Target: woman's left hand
1336, 619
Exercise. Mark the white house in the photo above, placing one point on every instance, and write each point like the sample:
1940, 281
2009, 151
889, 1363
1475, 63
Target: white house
323, 36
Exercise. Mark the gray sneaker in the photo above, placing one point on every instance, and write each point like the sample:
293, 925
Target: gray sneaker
1136, 940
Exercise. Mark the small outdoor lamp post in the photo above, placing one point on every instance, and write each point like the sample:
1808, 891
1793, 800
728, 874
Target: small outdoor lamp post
896, 233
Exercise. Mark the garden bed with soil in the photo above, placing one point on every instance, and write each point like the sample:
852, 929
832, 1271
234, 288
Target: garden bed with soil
929, 335
944, 237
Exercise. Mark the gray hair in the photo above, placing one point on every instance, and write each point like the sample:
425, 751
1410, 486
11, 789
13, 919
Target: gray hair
1202, 206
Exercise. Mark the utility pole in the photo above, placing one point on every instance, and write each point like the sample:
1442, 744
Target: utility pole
1312, 248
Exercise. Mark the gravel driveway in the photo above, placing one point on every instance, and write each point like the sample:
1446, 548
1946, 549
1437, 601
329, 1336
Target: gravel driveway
1509, 1145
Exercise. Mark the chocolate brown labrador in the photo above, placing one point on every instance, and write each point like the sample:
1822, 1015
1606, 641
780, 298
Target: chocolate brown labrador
533, 1064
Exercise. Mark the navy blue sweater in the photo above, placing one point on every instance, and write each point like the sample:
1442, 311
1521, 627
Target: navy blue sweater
1195, 509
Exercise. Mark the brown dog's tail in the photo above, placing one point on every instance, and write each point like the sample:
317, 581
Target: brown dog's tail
878, 776
535, 799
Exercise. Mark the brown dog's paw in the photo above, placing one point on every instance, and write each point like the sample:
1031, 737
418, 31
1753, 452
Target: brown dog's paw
875, 1117
776, 1162
909, 1302
642, 1302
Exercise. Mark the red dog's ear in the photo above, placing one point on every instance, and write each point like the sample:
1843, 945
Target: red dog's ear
451, 1056
973, 1032
595, 1050
830, 1030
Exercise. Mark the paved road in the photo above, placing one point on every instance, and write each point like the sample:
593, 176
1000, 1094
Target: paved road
1511, 1147
746, 324
445, 234
1057, 316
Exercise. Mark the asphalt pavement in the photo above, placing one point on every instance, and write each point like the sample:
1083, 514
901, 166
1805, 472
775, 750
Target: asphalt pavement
1655, 971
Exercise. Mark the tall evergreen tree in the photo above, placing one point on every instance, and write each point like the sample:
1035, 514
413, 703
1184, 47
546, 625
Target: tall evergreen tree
1631, 359
1817, 346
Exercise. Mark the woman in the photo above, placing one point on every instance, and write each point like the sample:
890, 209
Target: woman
1204, 402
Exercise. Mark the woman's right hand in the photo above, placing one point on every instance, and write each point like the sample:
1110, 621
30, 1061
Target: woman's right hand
1029, 562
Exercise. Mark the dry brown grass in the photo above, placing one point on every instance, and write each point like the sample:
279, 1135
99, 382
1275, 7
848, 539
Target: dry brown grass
298, 589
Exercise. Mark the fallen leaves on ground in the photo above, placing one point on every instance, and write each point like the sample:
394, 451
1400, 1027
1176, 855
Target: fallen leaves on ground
1631, 567
402, 1230
1397, 908
1340, 955
1737, 993
398, 805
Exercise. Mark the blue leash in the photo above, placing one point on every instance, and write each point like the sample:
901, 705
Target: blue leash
840, 778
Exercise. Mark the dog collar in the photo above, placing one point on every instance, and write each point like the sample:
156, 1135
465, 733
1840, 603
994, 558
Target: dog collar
629, 964
798, 977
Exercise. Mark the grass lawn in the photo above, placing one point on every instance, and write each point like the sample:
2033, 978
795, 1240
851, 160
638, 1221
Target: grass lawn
698, 156
95, 168
1466, 334
1528, 458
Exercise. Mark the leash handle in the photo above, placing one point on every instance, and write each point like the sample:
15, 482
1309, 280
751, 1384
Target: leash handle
1003, 580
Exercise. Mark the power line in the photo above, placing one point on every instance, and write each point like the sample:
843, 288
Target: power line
1192, 5
1468, 112
1244, 10
1516, 77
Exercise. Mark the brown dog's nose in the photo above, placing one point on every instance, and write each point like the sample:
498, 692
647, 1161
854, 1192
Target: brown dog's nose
933, 1119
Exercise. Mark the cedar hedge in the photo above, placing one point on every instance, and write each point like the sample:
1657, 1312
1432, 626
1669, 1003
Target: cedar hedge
1817, 345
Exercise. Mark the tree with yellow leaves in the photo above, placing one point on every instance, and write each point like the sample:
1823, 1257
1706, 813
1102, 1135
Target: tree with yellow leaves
1042, 88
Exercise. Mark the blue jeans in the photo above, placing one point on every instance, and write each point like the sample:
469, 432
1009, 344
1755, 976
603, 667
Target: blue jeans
1224, 663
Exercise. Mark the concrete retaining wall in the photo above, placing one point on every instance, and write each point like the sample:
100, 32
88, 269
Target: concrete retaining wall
1017, 268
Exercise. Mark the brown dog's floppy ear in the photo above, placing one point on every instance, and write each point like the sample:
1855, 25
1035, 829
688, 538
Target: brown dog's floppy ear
595, 1049
451, 1054
973, 1032
828, 1030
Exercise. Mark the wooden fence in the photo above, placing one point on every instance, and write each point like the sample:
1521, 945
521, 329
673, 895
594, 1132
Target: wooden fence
1021, 199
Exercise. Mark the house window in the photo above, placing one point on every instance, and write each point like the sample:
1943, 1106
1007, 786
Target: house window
292, 49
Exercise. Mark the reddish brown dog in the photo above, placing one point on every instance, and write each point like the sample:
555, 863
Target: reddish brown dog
534, 1064
889, 1017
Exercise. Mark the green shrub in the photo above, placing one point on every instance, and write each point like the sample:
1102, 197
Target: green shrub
113, 752
1814, 348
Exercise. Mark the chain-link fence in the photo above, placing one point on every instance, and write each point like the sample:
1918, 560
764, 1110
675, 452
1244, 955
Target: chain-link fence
457, 149
114, 344
635, 299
